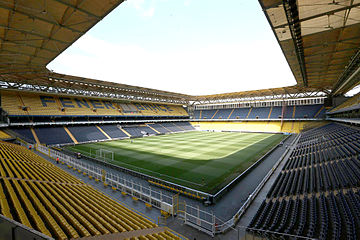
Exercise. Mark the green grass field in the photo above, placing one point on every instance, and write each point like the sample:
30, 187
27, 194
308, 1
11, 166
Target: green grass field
205, 161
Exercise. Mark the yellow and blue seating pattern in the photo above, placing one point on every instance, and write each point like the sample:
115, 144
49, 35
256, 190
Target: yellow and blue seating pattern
35, 104
41, 196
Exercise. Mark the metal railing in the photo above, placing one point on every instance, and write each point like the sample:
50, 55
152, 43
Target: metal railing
193, 216
140, 172
156, 198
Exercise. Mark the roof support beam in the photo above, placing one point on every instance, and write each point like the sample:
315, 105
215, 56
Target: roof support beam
18, 43
33, 33
322, 14
21, 53
79, 9
16, 63
321, 61
40, 19
10, 14
344, 41
331, 52
292, 15
23, 72
350, 75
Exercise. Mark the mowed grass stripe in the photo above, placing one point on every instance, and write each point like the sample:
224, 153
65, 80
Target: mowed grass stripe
201, 160
185, 147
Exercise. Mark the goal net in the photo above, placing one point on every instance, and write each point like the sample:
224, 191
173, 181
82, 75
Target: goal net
105, 155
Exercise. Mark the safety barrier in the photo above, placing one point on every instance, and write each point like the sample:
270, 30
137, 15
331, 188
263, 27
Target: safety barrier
189, 192
193, 216
146, 194
139, 172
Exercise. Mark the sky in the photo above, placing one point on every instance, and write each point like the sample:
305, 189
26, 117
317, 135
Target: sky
193, 47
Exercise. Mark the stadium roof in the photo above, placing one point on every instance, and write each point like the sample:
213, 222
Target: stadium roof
320, 40
264, 94
48, 81
33, 33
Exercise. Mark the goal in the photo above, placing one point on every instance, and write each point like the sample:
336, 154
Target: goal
105, 155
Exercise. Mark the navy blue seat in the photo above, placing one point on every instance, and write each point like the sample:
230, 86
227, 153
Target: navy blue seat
325, 159
113, 131
86, 133
185, 126
172, 127
25, 132
53, 135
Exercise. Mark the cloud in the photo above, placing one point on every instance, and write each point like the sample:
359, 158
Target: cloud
187, 3
142, 8
206, 70
149, 12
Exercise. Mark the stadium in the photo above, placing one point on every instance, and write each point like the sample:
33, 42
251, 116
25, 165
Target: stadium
83, 158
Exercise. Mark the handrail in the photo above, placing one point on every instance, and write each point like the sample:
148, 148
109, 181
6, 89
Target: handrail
146, 194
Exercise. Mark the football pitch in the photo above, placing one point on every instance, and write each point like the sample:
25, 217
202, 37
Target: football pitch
205, 161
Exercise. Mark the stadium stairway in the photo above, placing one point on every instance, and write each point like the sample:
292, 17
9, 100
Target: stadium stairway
86, 133
320, 113
103, 132
171, 127
182, 127
248, 114
124, 131
113, 131
71, 135
160, 128
270, 113
24, 133
231, 113
187, 126
34, 134
149, 125
53, 135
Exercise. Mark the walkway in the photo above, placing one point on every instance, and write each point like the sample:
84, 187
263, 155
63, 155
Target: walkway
251, 211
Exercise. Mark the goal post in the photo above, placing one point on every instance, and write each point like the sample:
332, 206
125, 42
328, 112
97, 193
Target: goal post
105, 155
